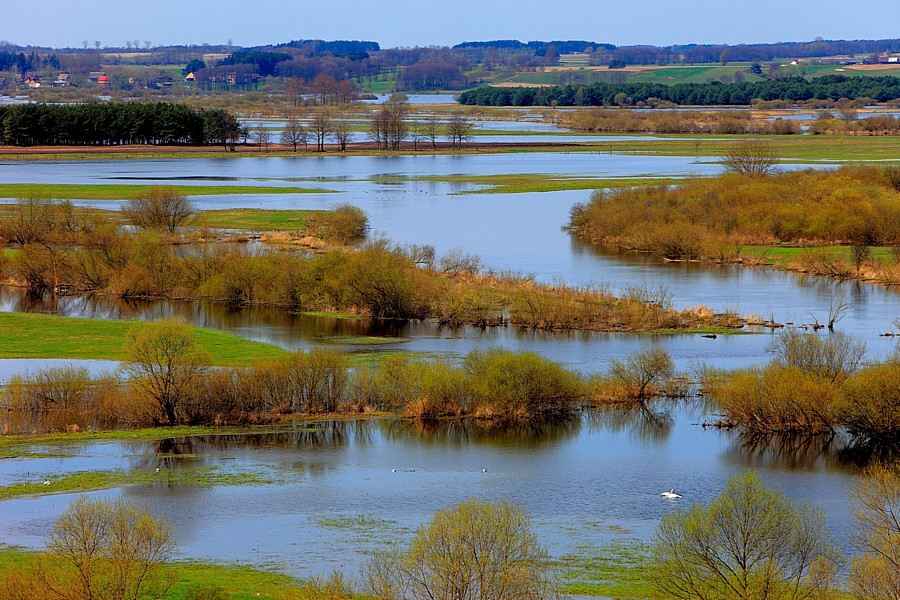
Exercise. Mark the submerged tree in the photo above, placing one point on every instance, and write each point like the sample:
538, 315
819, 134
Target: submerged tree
158, 207
753, 157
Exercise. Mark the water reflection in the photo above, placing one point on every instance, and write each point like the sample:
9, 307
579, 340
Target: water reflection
462, 433
649, 422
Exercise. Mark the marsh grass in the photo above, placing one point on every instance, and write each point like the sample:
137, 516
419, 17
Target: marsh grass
618, 570
258, 219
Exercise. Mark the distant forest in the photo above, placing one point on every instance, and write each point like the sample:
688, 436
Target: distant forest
791, 89
109, 124
401, 69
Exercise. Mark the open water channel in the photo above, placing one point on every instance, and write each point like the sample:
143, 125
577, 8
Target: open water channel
337, 490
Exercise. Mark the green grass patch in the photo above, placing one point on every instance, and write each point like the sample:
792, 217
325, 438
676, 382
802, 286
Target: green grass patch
619, 570
64, 191
258, 219
783, 256
237, 582
28, 335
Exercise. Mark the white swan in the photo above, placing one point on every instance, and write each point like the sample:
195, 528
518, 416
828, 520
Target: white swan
671, 495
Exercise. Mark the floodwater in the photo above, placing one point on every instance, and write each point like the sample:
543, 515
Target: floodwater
335, 495
343, 488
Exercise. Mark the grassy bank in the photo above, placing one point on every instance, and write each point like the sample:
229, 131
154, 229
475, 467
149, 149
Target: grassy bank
27, 335
256, 219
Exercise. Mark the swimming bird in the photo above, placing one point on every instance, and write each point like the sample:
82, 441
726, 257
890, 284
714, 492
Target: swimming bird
671, 495
393, 470
484, 470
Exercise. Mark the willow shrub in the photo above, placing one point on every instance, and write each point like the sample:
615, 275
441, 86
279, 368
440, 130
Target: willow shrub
809, 207
778, 399
869, 403
520, 386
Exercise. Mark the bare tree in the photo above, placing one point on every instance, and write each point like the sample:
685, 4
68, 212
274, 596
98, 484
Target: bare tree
432, 128
642, 369
321, 128
388, 127
459, 130
341, 132
294, 133
262, 136
751, 157
159, 207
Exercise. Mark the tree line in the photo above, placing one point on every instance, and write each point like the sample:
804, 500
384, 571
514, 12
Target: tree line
112, 124
790, 89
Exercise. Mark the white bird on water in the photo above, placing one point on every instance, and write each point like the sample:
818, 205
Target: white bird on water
671, 495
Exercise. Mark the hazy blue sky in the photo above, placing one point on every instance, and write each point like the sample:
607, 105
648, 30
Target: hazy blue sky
395, 23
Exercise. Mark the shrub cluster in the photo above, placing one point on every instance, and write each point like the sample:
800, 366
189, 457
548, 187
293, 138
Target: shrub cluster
63, 250
815, 386
496, 384
708, 219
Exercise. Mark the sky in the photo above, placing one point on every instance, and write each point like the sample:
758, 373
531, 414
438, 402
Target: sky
407, 23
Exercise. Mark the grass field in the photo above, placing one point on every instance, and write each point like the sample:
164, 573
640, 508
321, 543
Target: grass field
783, 256
26, 335
258, 219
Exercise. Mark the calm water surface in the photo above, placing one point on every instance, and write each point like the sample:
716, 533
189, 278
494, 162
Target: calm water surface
337, 494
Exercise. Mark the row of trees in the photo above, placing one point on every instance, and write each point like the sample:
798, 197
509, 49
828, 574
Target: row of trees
791, 89
106, 124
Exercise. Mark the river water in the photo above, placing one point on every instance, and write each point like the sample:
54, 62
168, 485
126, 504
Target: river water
336, 494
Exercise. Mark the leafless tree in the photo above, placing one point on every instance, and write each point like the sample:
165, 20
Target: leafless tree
459, 130
159, 207
751, 157
432, 128
341, 132
262, 136
294, 133
321, 128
